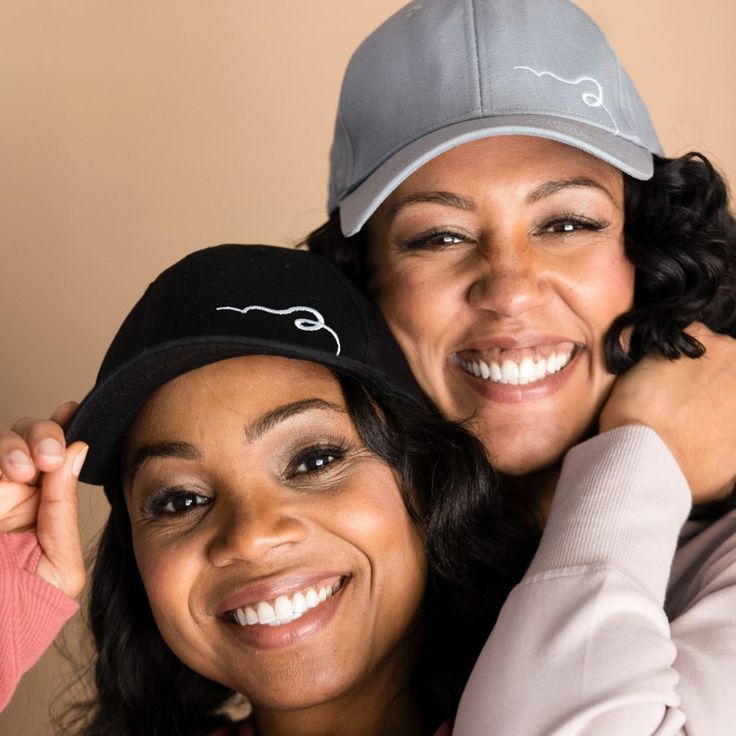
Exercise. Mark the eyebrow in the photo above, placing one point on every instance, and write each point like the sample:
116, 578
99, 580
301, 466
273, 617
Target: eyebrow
548, 188
281, 413
182, 450
445, 198
252, 432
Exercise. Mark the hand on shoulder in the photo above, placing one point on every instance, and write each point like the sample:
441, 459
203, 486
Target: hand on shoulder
691, 404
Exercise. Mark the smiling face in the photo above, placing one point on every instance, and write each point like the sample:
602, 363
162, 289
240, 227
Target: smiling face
499, 266
276, 551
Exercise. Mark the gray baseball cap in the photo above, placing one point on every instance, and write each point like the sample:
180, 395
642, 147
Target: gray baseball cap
444, 72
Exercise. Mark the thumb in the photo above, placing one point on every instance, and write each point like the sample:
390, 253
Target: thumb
57, 528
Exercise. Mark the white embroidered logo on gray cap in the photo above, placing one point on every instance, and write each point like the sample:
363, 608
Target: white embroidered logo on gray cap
591, 99
302, 323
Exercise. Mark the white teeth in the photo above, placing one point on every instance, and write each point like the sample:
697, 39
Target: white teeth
312, 598
509, 372
527, 369
266, 614
285, 609
300, 603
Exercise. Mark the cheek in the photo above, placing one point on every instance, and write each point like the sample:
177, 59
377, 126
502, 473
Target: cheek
420, 302
376, 522
400, 295
168, 579
401, 286
622, 287
599, 287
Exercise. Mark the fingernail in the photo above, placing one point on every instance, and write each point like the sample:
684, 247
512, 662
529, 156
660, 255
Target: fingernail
79, 462
20, 459
50, 448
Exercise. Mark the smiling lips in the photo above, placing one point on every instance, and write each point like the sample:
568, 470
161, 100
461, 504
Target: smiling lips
286, 608
517, 366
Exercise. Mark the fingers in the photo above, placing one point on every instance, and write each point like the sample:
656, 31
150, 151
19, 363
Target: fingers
18, 506
698, 330
15, 458
57, 528
691, 404
43, 444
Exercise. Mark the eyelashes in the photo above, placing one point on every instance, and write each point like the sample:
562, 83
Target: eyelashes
305, 467
567, 224
436, 237
174, 502
316, 459
563, 224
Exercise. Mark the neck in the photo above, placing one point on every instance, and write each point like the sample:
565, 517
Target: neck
359, 717
538, 489
384, 705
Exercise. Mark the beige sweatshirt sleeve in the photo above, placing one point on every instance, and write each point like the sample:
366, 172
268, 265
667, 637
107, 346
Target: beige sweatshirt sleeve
701, 605
583, 645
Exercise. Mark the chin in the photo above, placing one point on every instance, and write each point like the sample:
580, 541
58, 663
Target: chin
297, 688
514, 457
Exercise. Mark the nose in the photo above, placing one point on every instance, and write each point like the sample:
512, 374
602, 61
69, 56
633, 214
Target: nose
254, 526
508, 281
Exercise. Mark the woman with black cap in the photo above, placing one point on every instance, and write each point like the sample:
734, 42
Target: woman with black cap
281, 517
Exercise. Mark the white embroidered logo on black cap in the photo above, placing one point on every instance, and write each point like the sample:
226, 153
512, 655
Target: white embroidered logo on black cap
302, 323
591, 99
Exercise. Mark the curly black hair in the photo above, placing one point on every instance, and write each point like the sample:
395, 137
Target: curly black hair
681, 237
679, 234
478, 543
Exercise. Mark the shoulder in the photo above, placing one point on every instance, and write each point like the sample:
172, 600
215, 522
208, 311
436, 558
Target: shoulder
705, 563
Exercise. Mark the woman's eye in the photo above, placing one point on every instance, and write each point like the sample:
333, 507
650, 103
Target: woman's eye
175, 503
315, 460
567, 225
435, 239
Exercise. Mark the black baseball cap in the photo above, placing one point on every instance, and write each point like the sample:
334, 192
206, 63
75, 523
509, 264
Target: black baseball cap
228, 301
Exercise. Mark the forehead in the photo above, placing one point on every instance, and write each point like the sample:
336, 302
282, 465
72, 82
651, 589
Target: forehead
247, 387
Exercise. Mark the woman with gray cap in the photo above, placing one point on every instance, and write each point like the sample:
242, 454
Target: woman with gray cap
498, 189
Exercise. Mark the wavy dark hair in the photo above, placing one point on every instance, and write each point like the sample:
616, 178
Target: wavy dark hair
474, 553
679, 234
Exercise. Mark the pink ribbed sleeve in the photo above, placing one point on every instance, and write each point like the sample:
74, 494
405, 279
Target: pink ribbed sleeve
32, 610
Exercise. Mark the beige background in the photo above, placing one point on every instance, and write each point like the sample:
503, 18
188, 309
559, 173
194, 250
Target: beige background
134, 132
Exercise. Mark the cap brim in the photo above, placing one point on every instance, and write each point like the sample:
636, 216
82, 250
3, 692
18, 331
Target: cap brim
357, 206
105, 415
